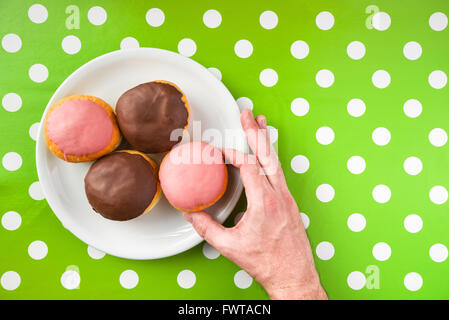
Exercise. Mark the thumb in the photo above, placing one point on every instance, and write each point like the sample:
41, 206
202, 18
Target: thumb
208, 229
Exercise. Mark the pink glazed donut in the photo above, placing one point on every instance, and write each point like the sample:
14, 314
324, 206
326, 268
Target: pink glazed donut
193, 176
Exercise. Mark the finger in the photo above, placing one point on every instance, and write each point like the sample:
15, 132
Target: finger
259, 141
253, 181
261, 121
210, 230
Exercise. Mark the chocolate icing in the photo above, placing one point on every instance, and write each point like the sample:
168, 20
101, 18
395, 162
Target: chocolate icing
120, 186
148, 113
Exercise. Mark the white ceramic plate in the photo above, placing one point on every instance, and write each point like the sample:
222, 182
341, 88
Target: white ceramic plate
163, 232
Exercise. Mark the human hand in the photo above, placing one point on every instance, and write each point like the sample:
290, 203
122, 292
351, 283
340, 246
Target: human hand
269, 241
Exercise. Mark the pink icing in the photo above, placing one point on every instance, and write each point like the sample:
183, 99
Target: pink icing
79, 127
192, 182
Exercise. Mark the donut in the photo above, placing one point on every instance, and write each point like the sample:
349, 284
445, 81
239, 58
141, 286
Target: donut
122, 185
149, 113
81, 128
193, 176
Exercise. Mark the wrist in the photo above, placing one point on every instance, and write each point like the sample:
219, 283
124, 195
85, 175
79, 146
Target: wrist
300, 289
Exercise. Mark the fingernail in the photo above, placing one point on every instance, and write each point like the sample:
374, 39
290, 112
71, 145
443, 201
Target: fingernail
264, 121
187, 216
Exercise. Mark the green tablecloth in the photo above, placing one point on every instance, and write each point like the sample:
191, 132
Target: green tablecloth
303, 67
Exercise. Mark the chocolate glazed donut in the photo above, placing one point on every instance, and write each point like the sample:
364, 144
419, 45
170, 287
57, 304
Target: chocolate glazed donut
147, 115
122, 185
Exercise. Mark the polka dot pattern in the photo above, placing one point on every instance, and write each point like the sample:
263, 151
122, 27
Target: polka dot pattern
11, 102
37, 250
268, 20
186, 279
243, 48
187, 47
325, 250
38, 13
301, 76
268, 77
212, 19
129, 279
11, 43
413, 223
97, 16
242, 279
155, 17
71, 44
70, 279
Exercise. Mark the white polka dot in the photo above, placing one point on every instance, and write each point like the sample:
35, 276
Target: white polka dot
129, 279
413, 223
12, 161
212, 18
37, 13
210, 252
97, 15
325, 192
243, 48
268, 20
268, 77
71, 44
35, 191
438, 21
438, 252
155, 17
38, 250
356, 50
325, 250
238, 217
324, 78
381, 251
305, 220
34, 129
325, 20
12, 102
245, 103
356, 280
300, 164
356, 107
381, 193
38, 73
438, 194
273, 134
187, 47
381, 21
381, 136
413, 281
381, 79
438, 137
413, 165
356, 164
186, 279
412, 50
356, 222
11, 220
129, 43
10, 280
70, 279
412, 108
300, 107
215, 72
11, 43
325, 135
242, 279
437, 79
299, 49
94, 253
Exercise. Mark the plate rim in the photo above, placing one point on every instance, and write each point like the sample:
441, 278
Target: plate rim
189, 242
